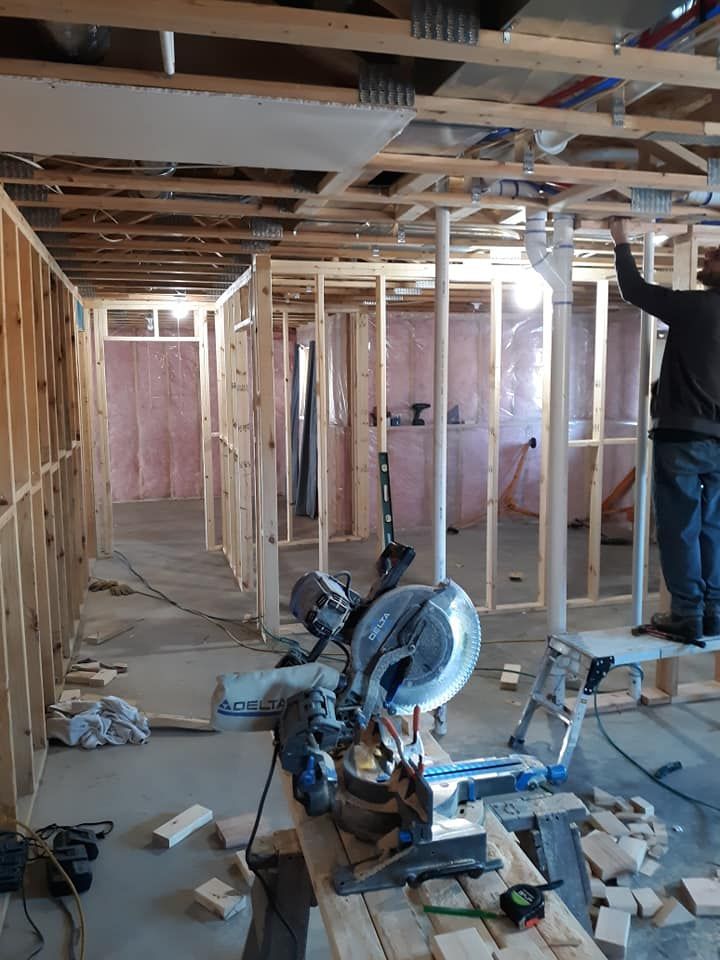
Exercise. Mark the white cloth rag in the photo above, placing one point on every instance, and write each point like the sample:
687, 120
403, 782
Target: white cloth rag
108, 720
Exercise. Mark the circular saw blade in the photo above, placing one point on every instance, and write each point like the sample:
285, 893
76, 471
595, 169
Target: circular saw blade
447, 648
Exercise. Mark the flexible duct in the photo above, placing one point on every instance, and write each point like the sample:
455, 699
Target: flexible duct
555, 267
513, 189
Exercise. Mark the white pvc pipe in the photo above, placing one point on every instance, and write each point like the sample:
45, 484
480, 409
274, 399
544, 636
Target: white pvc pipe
167, 46
642, 446
556, 268
440, 395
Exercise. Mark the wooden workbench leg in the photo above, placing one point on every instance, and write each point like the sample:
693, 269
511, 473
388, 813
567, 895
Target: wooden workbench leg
292, 896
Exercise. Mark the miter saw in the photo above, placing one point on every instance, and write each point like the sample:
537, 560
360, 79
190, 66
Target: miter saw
409, 650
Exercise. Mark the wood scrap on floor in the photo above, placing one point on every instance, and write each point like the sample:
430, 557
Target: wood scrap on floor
182, 825
672, 914
101, 678
635, 848
612, 932
171, 721
621, 898
510, 676
96, 638
606, 859
609, 823
240, 862
702, 895
648, 901
220, 898
235, 831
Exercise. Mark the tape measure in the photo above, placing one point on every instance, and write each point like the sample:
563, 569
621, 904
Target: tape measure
524, 903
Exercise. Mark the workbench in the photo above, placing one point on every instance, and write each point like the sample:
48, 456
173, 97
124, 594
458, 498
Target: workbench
391, 924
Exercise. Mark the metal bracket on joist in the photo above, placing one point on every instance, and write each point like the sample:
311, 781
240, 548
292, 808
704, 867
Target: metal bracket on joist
380, 87
437, 20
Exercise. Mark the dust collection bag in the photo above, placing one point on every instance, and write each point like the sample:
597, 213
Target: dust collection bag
255, 701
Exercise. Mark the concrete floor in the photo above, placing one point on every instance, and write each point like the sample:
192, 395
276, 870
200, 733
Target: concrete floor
141, 905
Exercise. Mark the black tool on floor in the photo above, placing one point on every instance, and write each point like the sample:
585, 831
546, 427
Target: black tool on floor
13, 857
417, 409
75, 862
524, 903
648, 629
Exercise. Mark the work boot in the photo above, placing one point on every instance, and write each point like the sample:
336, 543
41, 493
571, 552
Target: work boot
687, 628
711, 622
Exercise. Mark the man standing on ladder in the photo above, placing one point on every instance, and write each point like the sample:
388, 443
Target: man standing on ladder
685, 409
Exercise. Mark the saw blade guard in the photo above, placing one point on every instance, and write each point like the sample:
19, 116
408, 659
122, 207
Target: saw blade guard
447, 643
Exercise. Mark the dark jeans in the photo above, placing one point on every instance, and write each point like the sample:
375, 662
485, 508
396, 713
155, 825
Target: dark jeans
687, 515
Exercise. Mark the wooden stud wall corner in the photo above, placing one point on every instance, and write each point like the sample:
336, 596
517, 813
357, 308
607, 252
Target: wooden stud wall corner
47, 521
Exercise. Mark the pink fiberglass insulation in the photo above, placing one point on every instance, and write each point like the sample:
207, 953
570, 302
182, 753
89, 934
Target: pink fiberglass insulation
123, 422
184, 421
154, 420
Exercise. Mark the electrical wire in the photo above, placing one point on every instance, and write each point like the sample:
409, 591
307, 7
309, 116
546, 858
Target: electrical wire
37, 931
248, 850
219, 621
648, 773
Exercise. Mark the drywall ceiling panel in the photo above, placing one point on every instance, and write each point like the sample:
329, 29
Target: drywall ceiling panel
138, 123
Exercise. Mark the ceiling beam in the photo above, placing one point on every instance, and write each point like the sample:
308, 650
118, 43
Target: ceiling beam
343, 31
480, 112
543, 172
668, 149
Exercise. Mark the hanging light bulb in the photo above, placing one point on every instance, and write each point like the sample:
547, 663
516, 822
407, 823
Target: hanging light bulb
528, 291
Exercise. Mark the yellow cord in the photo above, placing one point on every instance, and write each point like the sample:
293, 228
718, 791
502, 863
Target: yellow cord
51, 856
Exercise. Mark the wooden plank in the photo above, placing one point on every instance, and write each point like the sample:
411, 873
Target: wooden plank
29, 356
174, 831
31, 620
101, 678
510, 676
493, 463
266, 462
56, 608
381, 384
360, 425
288, 424
7, 489
220, 898
342, 31
15, 371
13, 615
206, 423
44, 606
101, 440
8, 779
605, 857
171, 721
323, 421
598, 436
245, 478
348, 924
85, 366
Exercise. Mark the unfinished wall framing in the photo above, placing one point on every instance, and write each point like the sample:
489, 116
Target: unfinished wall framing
46, 496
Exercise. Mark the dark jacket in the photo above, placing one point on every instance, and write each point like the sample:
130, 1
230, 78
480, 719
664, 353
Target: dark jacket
688, 391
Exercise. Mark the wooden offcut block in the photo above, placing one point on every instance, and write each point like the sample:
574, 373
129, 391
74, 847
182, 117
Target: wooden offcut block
235, 831
648, 901
702, 895
182, 825
597, 888
240, 861
602, 798
650, 867
621, 898
636, 848
605, 857
100, 678
510, 677
464, 944
220, 898
642, 806
604, 820
612, 932
672, 914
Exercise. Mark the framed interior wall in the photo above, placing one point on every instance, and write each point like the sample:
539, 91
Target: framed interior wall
47, 535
